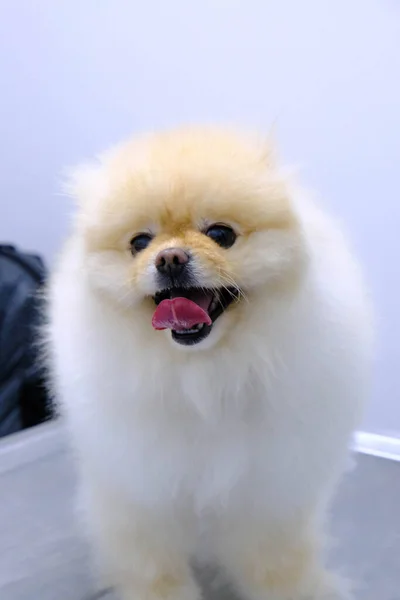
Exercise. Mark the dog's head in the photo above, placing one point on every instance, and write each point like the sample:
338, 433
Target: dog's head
187, 228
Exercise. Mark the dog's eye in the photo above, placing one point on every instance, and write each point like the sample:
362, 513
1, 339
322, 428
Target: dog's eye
223, 235
140, 242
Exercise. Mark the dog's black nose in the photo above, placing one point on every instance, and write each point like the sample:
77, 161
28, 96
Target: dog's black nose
172, 262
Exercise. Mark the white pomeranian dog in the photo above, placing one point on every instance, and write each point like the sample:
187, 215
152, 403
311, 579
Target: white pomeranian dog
210, 343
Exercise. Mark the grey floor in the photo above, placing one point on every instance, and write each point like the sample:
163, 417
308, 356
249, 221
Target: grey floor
42, 555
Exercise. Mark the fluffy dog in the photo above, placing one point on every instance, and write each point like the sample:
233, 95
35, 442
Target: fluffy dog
210, 345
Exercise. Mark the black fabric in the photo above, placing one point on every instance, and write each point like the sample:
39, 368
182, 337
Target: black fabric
23, 398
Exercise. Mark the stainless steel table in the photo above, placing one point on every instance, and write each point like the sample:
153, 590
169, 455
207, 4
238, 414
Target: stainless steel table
42, 555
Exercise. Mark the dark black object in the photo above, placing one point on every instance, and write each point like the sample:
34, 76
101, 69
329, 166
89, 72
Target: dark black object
222, 235
23, 398
140, 242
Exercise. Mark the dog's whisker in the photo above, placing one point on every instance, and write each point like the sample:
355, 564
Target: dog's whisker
232, 283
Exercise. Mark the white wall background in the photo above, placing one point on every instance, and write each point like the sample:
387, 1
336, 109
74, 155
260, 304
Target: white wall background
77, 75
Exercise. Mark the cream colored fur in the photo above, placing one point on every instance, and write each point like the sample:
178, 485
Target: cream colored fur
227, 452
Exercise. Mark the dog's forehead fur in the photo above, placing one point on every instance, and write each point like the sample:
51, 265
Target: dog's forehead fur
183, 179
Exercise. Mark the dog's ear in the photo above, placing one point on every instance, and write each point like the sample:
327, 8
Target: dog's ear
270, 147
86, 184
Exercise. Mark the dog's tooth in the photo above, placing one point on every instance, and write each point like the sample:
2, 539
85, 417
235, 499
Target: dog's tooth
194, 329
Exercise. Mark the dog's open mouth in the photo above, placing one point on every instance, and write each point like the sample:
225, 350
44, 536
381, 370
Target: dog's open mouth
190, 313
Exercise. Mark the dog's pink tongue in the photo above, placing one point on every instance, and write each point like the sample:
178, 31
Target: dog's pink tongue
178, 314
